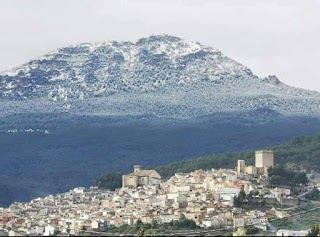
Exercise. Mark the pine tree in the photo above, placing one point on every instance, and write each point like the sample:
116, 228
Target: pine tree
315, 231
141, 232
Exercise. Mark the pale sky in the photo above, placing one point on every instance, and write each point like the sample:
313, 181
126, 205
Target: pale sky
270, 37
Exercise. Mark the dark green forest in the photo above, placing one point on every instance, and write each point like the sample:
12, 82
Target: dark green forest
279, 175
297, 154
81, 148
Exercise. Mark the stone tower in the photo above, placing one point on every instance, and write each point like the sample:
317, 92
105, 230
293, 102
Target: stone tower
241, 166
264, 159
137, 168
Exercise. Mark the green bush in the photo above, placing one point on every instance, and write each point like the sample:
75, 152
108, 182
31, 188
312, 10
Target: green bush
315, 231
314, 194
185, 224
281, 176
110, 181
251, 230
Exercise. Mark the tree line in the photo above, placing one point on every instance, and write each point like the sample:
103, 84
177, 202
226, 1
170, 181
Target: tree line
302, 152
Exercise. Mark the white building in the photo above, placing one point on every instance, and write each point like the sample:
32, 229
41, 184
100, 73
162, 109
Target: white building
35, 230
50, 230
227, 195
292, 232
211, 222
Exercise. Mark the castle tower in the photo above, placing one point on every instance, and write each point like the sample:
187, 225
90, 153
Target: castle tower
137, 168
241, 166
264, 159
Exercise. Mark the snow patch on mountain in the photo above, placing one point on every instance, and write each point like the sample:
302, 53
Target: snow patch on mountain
101, 69
161, 75
29, 130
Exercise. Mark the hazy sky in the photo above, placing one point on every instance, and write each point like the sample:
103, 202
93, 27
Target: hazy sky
270, 37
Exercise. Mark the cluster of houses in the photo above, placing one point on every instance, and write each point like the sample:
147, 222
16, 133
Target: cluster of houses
206, 197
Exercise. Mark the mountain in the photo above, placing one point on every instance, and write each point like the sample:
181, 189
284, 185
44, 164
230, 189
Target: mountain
82, 110
157, 71
101, 69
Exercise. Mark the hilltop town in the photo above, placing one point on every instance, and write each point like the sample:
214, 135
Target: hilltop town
222, 200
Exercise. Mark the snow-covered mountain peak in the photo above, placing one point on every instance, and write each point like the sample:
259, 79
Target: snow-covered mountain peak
161, 73
100, 69
272, 80
172, 46
159, 38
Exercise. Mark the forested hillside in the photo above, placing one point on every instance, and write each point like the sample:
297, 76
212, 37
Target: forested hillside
299, 153
80, 111
302, 151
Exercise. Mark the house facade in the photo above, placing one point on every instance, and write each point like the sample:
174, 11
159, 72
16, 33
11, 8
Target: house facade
141, 177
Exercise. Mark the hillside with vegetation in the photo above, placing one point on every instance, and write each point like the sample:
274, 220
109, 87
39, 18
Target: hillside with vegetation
70, 115
301, 153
